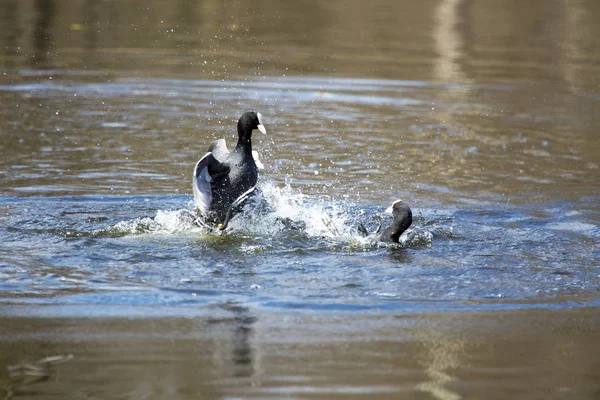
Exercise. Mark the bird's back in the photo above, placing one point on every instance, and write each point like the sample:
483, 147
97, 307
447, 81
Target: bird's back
243, 174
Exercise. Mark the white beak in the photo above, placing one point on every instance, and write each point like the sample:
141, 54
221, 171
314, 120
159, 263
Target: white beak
261, 127
390, 209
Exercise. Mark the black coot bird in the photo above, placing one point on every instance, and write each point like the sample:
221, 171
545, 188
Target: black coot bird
224, 180
401, 221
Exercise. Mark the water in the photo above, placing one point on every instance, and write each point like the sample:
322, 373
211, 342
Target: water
292, 251
482, 117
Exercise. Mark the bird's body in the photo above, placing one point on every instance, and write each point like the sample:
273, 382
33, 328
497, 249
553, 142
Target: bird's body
401, 221
221, 178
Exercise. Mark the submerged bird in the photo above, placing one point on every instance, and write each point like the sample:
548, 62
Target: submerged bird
401, 221
224, 180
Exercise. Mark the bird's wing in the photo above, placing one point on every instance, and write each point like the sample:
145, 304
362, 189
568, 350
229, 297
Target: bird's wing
207, 170
201, 184
259, 165
219, 150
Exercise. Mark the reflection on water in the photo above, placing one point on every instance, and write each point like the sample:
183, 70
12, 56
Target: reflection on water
441, 355
448, 42
453, 40
303, 355
478, 103
42, 37
483, 116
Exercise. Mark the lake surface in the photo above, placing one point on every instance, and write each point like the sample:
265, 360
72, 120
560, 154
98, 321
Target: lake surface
482, 117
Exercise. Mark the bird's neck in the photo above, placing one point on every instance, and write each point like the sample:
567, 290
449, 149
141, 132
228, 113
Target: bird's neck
389, 235
244, 145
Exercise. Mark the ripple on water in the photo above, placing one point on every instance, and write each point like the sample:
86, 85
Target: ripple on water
289, 249
378, 134
574, 226
295, 244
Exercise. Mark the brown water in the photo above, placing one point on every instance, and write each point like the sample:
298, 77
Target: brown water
483, 116
540, 355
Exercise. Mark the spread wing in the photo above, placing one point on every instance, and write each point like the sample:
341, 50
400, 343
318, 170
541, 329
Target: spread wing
206, 171
201, 185
219, 150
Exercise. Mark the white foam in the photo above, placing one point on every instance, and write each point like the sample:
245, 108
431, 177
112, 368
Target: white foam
275, 210
165, 222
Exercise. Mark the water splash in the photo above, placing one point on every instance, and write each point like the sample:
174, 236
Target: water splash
166, 222
277, 210
281, 212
